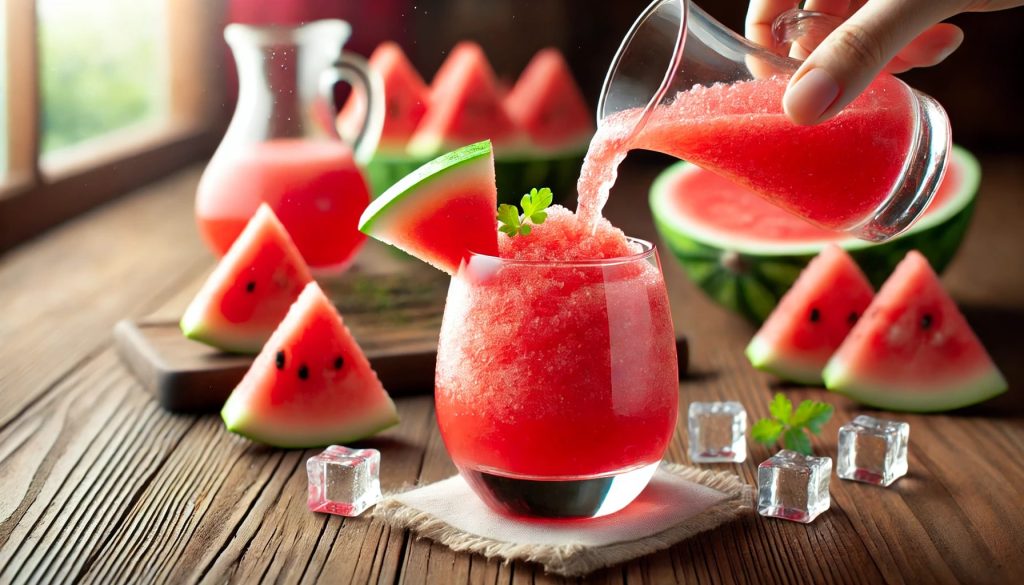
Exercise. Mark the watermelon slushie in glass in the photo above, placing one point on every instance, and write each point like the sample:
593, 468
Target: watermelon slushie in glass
557, 376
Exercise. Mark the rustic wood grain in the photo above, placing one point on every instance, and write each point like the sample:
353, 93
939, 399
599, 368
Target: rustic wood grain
99, 485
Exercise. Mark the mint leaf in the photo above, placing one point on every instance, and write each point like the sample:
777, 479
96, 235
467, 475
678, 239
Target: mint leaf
534, 205
812, 414
794, 439
790, 424
781, 408
766, 431
508, 215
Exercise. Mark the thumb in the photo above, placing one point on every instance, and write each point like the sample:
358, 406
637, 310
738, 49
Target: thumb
849, 58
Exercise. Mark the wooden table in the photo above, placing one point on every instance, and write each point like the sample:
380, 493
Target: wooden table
98, 484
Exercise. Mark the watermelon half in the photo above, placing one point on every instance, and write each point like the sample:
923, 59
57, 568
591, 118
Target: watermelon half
250, 290
442, 211
746, 253
311, 385
812, 318
913, 350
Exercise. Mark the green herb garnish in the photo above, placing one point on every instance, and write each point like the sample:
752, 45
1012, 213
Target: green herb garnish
790, 424
534, 204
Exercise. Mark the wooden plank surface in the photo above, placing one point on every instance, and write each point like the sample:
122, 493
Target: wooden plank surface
99, 485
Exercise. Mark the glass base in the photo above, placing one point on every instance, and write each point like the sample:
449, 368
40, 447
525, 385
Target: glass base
585, 497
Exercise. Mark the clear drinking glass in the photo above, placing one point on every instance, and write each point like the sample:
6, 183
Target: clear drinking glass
557, 382
683, 84
282, 148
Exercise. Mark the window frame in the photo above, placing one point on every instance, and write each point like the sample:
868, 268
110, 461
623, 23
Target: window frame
37, 194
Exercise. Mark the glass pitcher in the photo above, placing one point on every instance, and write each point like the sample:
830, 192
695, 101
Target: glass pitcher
282, 147
683, 84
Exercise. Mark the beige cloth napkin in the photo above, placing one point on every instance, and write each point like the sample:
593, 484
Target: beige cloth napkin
679, 502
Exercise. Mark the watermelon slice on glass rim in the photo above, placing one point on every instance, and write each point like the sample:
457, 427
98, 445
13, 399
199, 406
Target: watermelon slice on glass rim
442, 211
311, 385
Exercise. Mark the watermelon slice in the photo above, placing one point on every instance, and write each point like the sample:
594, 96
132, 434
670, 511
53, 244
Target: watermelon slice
812, 319
465, 107
311, 385
442, 211
405, 99
250, 290
913, 350
745, 253
547, 103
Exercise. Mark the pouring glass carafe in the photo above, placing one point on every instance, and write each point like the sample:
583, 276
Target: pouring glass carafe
281, 147
683, 84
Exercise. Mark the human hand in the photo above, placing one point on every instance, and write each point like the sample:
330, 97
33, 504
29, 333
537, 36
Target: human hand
876, 36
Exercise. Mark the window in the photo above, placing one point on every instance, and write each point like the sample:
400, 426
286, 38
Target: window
100, 97
102, 68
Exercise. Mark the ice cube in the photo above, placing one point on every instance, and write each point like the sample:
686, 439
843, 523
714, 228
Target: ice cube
873, 450
793, 486
717, 432
343, 481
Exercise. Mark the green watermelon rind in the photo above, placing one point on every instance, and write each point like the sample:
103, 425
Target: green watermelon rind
764, 357
514, 175
971, 390
239, 424
416, 184
763, 272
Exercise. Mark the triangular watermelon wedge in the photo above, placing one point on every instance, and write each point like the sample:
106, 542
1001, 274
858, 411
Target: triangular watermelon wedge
311, 385
913, 350
812, 319
465, 107
250, 290
405, 100
442, 211
549, 106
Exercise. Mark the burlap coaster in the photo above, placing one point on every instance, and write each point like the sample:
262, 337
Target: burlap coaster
679, 502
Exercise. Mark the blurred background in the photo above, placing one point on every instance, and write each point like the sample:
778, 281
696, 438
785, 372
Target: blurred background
110, 94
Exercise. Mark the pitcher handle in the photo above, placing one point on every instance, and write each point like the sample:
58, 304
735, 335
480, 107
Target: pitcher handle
354, 70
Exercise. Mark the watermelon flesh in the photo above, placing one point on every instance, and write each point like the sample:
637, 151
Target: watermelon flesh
250, 290
441, 212
311, 385
913, 350
405, 100
465, 107
547, 103
812, 319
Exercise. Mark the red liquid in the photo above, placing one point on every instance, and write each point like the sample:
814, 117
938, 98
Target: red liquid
834, 174
548, 372
314, 188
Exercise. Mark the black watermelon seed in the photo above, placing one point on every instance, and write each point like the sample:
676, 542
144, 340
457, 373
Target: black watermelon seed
815, 315
926, 321
280, 360
338, 362
250, 286
303, 372
852, 317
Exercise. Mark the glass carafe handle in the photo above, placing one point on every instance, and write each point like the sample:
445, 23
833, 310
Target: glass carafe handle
796, 24
353, 69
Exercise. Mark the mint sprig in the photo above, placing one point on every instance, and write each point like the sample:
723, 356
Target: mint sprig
792, 425
534, 205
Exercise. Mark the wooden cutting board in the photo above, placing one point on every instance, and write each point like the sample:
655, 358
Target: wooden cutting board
394, 317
